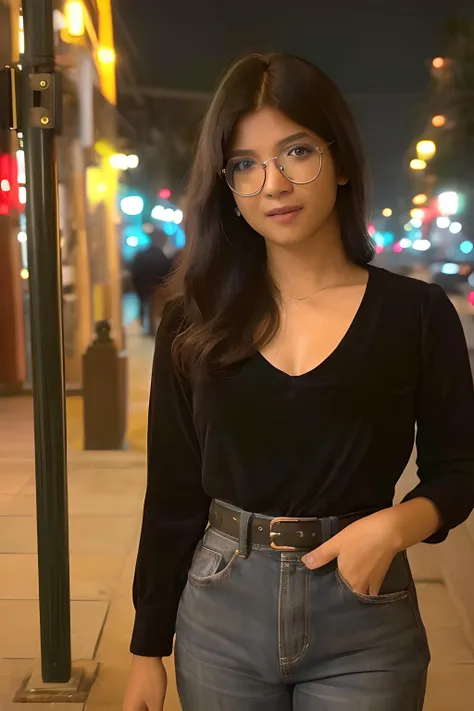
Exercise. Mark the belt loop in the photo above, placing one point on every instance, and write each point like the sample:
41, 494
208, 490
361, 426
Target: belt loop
325, 529
334, 521
245, 543
329, 527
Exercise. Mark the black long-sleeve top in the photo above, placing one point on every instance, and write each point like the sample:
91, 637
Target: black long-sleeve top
329, 442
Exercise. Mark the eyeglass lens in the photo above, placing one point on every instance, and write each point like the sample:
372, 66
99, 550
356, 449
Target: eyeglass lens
300, 164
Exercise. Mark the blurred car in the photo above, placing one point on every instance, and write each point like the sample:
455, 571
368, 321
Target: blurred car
455, 278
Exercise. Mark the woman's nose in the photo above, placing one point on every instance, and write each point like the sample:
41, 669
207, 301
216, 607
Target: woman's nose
276, 184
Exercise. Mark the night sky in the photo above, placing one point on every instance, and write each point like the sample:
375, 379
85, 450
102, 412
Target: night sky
377, 52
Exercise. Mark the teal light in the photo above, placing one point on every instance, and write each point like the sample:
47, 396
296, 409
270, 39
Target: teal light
379, 239
466, 247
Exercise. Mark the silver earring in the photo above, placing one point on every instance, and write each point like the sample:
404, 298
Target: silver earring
237, 212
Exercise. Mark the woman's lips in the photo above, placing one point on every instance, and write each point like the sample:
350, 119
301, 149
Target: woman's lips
285, 216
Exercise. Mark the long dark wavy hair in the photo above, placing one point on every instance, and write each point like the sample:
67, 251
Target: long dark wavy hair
229, 302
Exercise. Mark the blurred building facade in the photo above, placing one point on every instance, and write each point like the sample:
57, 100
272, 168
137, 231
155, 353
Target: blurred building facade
88, 218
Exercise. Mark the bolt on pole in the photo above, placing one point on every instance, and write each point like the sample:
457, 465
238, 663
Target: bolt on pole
39, 117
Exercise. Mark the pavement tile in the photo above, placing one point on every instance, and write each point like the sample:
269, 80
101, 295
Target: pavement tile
11, 484
102, 534
449, 646
43, 707
424, 564
450, 688
434, 598
20, 505
93, 577
18, 534
19, 623
5, 499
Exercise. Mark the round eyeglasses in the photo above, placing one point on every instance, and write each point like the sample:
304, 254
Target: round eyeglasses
299, 164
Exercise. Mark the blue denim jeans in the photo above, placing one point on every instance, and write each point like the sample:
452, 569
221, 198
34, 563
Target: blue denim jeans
263, 633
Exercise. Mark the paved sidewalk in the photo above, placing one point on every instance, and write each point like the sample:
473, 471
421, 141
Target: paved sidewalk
105, 501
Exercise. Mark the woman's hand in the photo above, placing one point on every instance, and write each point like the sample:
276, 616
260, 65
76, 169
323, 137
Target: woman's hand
364, 552
146, 689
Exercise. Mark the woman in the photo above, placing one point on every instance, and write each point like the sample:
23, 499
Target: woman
288, 378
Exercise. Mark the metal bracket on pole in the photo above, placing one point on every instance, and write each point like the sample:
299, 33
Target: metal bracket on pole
32, 100
44, 101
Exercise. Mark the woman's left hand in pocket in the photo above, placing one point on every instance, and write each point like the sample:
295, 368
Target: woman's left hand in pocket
364, 552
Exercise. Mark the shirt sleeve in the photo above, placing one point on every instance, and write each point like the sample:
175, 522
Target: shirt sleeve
445, 416
176, 508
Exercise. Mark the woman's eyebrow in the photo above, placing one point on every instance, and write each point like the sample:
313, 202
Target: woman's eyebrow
282, 142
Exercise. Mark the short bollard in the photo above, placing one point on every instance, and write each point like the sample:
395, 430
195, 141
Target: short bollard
105, 392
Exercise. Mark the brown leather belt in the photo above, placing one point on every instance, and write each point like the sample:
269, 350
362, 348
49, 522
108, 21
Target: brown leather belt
282, 533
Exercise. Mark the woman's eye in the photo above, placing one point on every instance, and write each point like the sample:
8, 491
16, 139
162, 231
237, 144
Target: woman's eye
244, 164
300, 151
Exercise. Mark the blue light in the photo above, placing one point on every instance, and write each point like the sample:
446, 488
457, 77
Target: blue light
180, 239
170, 228
466, 247
450, 268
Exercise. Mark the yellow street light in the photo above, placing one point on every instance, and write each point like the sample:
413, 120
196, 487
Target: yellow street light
417, 164
106, 55
438, 62
387, 212
420, 199
439, 121
24, 274
118, 161
425, 149
417, 213
74, 14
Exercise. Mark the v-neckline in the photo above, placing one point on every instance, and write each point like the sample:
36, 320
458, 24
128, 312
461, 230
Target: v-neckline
340, 346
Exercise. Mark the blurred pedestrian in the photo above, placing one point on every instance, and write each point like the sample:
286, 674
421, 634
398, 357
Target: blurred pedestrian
288, 378
149, 270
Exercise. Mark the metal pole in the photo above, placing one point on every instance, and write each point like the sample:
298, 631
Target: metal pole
47, 355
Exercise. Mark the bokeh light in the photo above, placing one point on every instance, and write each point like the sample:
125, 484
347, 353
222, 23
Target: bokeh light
438, 121
417, 164
466, 247
420, 199
132, 205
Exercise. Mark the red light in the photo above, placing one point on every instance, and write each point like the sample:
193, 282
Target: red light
397, 247
378, 248
371, 230
9, 198
470, 298
165, 194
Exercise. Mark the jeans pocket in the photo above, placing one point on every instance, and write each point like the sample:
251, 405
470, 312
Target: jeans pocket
213, 561
395, 586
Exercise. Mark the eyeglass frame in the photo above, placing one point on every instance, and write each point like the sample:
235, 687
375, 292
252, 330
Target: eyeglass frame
263, 164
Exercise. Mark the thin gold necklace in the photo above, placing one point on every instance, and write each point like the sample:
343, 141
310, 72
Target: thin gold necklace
313, 293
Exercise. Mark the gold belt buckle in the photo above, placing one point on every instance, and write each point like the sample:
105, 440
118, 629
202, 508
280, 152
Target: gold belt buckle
274, 534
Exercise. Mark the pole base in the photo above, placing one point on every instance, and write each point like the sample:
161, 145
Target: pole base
74, 691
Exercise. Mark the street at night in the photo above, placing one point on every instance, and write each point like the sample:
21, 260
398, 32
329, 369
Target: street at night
236, 356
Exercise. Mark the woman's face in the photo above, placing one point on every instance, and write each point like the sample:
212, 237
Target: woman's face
283, 212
